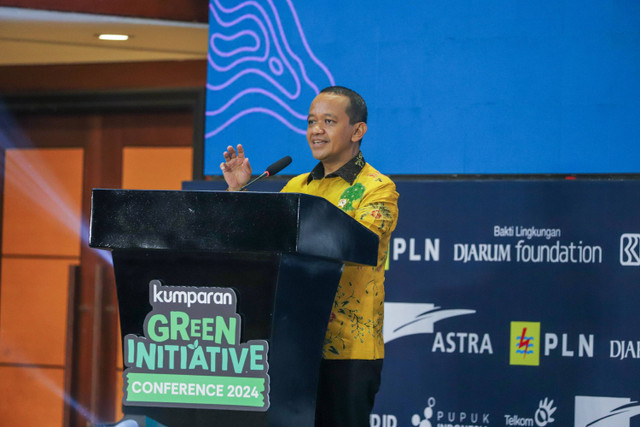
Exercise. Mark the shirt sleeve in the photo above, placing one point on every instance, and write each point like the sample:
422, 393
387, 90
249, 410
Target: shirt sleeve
293, 185
378, 210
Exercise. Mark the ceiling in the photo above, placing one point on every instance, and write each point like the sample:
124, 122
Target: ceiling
38, 37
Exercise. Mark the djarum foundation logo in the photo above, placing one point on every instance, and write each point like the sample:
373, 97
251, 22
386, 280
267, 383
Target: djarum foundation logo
525, 344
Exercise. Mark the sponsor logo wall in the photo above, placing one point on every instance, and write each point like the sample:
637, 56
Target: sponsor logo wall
513, 303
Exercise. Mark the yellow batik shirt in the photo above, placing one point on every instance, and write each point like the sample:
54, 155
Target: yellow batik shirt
355, 324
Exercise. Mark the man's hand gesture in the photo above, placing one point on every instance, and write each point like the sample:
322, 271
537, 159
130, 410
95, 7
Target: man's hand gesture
236, 168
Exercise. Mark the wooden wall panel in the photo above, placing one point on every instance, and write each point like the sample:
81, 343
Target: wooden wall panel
31, 396
49, 131
41, 221
177, 10
103, 136
115, 76
149, 130
42, 202
119, 382
119, 394
33, 311
156, 168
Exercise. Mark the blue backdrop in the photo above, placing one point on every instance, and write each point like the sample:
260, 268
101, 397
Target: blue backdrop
472, 265
452, 86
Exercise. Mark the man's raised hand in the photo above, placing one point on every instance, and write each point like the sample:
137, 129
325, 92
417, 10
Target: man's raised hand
235, 168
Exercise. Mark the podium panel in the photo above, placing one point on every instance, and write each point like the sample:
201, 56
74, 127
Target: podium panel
194, 357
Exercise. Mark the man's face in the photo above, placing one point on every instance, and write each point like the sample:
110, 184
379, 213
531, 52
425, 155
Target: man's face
331, 138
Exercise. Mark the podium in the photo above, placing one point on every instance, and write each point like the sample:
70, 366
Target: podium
178, 255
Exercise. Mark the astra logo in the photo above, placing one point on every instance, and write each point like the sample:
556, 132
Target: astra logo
402, 319
525, 343
600, 411
630, 249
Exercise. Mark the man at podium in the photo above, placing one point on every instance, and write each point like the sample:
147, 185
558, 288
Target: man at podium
354, 348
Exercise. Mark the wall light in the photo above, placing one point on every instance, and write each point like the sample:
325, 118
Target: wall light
116, 37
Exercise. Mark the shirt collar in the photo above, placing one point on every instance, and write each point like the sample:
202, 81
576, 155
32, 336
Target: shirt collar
349, 171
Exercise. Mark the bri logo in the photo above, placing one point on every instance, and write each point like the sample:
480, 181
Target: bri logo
630, 249
525, 343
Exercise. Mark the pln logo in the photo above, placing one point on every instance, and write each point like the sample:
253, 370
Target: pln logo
598, 411
525, 343
630, 249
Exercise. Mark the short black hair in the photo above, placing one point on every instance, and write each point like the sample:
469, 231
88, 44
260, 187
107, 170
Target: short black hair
357, 109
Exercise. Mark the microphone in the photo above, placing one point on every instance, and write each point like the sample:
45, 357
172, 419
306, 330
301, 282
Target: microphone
271, 170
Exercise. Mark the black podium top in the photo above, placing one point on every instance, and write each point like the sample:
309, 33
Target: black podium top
221, 221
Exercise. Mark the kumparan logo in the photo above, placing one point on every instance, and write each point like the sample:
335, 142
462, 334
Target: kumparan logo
525, 343
191, 356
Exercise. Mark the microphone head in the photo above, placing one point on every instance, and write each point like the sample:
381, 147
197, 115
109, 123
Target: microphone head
278, 166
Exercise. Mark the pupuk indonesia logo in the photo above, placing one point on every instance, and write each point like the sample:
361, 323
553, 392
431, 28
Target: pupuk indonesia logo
524, 343
448, 418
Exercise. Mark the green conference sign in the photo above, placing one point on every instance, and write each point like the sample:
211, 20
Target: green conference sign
191, 355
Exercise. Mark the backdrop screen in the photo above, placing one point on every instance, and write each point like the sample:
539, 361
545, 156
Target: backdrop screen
452, 86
